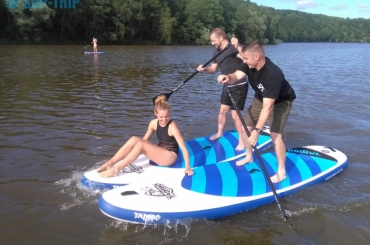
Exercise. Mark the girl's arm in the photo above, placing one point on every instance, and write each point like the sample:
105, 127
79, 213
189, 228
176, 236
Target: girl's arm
151, 129
174, 130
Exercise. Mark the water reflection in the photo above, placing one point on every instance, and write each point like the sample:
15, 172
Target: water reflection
95, 71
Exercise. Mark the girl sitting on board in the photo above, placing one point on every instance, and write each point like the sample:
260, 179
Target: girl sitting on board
164, 154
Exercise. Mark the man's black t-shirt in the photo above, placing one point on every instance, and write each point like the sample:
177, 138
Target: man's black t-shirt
269, 82
228, 62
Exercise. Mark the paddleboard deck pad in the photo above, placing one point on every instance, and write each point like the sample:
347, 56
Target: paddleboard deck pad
219, 190
202, 151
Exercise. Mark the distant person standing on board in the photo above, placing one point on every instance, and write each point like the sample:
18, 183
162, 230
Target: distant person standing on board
95, 42
228, 62
272, 101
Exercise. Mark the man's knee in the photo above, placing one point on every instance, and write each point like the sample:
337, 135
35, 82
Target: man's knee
224, 110
276, 137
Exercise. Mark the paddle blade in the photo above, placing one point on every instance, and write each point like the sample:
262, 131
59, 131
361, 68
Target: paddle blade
165, 94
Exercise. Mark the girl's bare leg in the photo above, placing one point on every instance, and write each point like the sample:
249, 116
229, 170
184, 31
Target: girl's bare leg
121, 153
152, 151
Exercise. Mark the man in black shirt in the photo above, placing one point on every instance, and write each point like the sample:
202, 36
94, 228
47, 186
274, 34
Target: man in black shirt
272, 100
228, 62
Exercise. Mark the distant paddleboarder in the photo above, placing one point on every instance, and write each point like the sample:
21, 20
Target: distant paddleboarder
95, 42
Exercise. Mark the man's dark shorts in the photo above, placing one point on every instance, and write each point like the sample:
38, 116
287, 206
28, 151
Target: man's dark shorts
239, 94
277, 119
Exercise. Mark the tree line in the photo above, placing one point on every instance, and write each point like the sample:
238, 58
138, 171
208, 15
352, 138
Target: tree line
167, 22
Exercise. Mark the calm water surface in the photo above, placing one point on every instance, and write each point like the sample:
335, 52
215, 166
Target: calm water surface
63, 112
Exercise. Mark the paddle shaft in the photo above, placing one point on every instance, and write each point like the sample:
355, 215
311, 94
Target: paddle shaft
227, 46
213, 58
258, 156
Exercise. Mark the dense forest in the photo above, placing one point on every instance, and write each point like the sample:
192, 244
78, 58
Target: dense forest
167, 22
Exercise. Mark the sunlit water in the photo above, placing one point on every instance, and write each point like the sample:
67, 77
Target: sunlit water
63, 112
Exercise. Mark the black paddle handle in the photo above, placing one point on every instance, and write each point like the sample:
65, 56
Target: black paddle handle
168, 95
258, 156
213, 58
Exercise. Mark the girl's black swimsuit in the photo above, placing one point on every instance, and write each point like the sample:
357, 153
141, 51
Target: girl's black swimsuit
165, 141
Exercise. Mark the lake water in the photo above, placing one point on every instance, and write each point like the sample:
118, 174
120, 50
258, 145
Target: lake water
63, 112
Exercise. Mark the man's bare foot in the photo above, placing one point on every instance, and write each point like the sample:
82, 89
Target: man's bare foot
109, 173
278, 177
215, 136
244, 161
240, 147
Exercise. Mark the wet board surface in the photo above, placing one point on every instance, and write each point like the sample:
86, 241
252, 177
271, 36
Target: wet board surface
219, 190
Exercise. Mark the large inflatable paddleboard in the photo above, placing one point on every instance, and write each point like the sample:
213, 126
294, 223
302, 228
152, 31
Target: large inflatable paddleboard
202, 151
219, 190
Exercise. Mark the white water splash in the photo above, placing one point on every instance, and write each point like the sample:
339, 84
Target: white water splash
76, 193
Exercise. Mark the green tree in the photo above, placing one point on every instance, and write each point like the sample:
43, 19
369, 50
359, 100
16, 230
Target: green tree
167, 24
272, 28
121, 16
171, 22
202, 17
30, 22
251, 25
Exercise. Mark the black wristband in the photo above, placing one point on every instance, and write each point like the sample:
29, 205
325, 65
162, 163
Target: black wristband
258, 130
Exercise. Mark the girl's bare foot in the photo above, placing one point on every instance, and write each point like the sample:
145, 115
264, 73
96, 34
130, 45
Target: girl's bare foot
103, 167
109, 173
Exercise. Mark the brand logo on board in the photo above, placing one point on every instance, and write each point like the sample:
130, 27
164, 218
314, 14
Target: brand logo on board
304, 151
133, 168
332, 175
147, 217
159, 190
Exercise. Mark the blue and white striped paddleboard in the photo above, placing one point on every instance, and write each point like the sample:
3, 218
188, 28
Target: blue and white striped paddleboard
219, 190
202, 151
